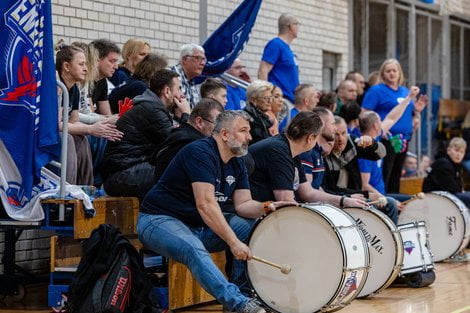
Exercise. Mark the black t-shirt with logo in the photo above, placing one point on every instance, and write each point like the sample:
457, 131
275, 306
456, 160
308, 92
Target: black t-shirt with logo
197, 162
275, 168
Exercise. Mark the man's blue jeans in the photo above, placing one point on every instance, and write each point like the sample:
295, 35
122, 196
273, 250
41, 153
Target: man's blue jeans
192, 246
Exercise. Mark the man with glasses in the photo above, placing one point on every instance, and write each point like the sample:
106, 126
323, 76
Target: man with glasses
200, 125
278, 64
191, 63
236, 96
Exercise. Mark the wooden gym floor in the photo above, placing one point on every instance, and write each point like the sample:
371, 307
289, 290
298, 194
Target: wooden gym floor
450, 293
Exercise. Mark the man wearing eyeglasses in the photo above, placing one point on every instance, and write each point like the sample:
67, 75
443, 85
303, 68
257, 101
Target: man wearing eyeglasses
278, 64
191, 63
200, 125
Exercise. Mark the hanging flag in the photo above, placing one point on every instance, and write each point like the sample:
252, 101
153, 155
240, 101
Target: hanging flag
28, 99
228, 41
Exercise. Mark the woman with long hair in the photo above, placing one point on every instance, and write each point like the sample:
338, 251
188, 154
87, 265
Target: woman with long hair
382, 98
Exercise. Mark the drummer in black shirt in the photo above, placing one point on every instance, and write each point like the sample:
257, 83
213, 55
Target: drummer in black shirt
278, 173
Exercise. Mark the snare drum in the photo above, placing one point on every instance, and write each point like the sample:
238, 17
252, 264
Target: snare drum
385, 248
418, 256
447, 221
325, 249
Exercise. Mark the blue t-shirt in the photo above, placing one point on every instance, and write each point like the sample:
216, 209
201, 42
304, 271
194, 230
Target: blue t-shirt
197, 162
375, 169
312, 162
382, 99
236, 98
285, 71
284, 122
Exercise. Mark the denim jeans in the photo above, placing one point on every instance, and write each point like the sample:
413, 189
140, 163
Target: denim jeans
192, 246
391, 209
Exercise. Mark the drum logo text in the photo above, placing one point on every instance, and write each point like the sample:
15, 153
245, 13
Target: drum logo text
409, 246
374, 241
451, 221
349, 287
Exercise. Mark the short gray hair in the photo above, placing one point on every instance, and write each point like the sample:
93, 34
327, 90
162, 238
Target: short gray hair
284, 21
188, 49
257, 87
226, 118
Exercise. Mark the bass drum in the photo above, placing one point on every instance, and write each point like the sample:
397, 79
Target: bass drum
385, 248
326, 251
447, 221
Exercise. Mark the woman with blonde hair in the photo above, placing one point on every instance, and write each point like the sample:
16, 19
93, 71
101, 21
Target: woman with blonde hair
382, 98
139, 81
133, 51
259, 97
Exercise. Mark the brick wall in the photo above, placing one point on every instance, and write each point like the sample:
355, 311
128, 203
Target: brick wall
169, 24
32, 250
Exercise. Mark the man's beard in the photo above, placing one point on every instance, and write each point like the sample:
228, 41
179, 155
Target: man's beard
237, 148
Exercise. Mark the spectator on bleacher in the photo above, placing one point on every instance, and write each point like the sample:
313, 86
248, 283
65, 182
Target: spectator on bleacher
278, 173
133, 51
191, 63
260, 96
71, 68
139, 81
236, 95
278, 64
371, 170
410, 166
359, 80
200, 125
277, 104
425, 166
213, 88
328, 100
342, 173
126, 164
181, 219
306, 98
108, 53
347, 92
350, 113
313, 161
86, 106
446, 172
382, 98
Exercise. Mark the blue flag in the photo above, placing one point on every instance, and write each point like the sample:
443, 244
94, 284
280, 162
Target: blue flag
227, 41
28, 98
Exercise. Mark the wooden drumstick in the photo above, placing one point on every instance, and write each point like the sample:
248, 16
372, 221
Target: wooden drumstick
285, 269
380, 202
418, 196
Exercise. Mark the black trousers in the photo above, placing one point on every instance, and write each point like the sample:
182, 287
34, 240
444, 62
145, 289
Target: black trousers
392, 167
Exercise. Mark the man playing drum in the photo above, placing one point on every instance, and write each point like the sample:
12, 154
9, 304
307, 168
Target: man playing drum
181, 217
279, 174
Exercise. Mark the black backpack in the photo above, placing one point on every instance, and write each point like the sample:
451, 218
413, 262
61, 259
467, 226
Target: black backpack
111, 277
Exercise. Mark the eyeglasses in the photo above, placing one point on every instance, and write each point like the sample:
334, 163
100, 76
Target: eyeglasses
198, 58
209, 121
266, 98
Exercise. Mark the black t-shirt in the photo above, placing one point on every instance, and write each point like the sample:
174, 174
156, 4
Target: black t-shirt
131, 88
197, 162
100, 91
275, 169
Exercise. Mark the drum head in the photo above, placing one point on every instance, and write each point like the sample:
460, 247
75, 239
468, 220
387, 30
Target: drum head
383, 245
304, 240
444, 222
